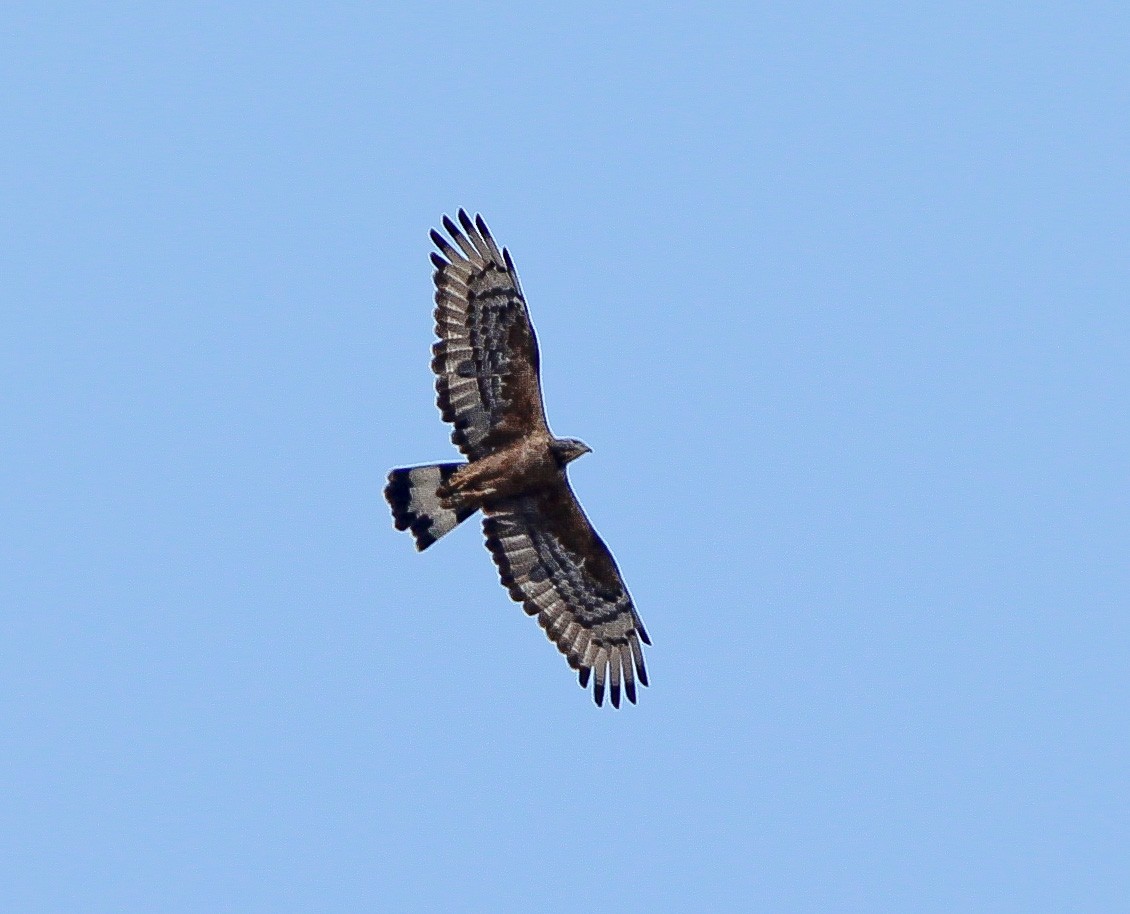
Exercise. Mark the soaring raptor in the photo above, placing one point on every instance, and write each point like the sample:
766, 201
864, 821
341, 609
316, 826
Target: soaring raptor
549, 557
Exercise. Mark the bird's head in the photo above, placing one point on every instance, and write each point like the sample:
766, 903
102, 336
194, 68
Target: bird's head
566, 450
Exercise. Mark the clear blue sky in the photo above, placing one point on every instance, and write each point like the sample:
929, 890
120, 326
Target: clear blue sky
838, 294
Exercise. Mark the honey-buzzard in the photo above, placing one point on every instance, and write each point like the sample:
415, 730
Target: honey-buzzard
549, 557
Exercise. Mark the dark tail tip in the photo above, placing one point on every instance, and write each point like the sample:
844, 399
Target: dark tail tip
397, 495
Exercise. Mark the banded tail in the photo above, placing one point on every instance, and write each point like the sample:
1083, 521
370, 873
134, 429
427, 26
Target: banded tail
411, 493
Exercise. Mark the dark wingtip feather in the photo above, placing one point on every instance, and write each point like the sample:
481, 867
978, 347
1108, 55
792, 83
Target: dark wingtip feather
506, 257
615, 695
583, 676
642, 632
437, 259
630, 690
465, 221
598, 692
450, 226
481, 225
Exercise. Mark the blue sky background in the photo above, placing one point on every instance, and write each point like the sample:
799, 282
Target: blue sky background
838, 293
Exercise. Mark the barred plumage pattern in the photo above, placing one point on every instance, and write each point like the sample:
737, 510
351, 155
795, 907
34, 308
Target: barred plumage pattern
487, 354
593, 623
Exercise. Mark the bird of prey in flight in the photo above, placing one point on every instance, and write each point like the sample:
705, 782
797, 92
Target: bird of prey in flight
549, 557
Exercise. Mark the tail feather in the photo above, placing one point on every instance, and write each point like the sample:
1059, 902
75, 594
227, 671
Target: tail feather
411, 493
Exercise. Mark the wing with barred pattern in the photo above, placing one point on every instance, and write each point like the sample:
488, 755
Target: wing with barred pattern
555, 564
486, 360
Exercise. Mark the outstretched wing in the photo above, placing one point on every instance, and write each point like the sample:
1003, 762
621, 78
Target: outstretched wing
486, 360
553, 562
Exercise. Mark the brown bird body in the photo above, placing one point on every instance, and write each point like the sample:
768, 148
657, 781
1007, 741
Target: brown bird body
549, 557
514, 469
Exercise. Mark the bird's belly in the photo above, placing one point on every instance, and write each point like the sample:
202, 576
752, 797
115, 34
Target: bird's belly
508, 473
